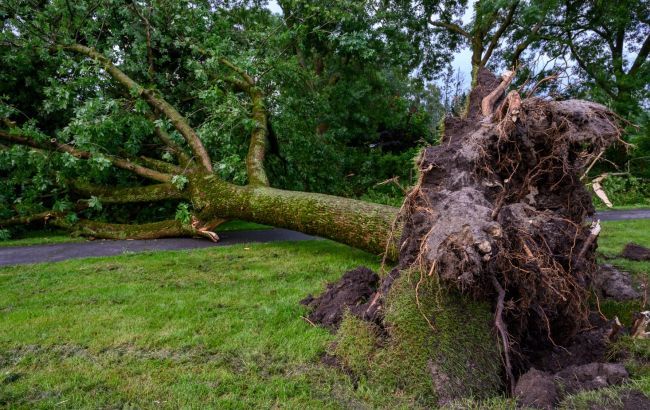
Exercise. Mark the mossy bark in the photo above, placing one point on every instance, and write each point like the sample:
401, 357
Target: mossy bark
356, 223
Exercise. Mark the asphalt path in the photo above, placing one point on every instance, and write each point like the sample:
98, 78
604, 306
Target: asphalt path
623, 215
15, 255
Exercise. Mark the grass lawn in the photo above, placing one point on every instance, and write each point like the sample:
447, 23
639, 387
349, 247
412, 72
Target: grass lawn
217, 327
209, 328
44, 237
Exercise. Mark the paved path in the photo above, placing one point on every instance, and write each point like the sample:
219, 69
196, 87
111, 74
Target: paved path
14, 255
623, 215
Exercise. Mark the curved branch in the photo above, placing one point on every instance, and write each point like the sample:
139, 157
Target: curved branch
109, 195
180, 123
497, 35
451, 27
169, 142
487, 104
53, 145
259, 136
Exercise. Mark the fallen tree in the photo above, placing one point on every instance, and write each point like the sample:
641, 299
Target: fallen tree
493, 236
496, 255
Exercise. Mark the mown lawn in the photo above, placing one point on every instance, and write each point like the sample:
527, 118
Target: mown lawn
209, 328
218, 327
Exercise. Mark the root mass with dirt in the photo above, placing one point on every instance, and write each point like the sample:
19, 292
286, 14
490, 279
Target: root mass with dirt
498, 218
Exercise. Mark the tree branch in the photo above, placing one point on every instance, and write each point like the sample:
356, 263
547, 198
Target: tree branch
53, 145
161, 166
451, 27
28, 219
110, 195
145, 20
497, 35
259, 136
584, 66
166, 139
180, 123
641, 57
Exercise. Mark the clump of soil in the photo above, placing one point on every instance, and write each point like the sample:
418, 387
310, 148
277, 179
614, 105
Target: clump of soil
498, 216
349, 293
636, 252
609, 282
543, 390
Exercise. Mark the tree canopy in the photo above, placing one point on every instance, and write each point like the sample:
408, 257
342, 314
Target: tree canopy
333, 97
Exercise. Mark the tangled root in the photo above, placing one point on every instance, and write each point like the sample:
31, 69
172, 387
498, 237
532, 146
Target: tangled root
500, 201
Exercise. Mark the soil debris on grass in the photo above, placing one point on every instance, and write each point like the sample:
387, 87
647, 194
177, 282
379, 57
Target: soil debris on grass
610, 282
544, 390
349, 293
636, 252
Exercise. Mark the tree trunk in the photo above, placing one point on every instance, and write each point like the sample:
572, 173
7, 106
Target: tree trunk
356, 223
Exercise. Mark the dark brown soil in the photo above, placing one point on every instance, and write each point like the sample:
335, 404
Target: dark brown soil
586, 347
636, 252
543, 390
350, 292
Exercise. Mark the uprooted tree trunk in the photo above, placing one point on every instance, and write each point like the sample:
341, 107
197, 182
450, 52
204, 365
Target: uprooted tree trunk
495, 257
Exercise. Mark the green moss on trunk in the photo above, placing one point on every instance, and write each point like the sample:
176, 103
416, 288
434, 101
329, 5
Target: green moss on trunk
356, 223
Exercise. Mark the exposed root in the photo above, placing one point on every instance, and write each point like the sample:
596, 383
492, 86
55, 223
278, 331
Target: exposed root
503, 332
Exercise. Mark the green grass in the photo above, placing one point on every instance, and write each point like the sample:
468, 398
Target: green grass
46, 237
209, 328
615, 235
216, 328
41, 237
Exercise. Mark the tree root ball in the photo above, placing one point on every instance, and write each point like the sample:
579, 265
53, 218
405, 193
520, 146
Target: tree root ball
495, 225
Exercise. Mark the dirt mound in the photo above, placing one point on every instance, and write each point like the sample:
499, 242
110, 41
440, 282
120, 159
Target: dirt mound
609, 282
636, 252
536, 389
351, 291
